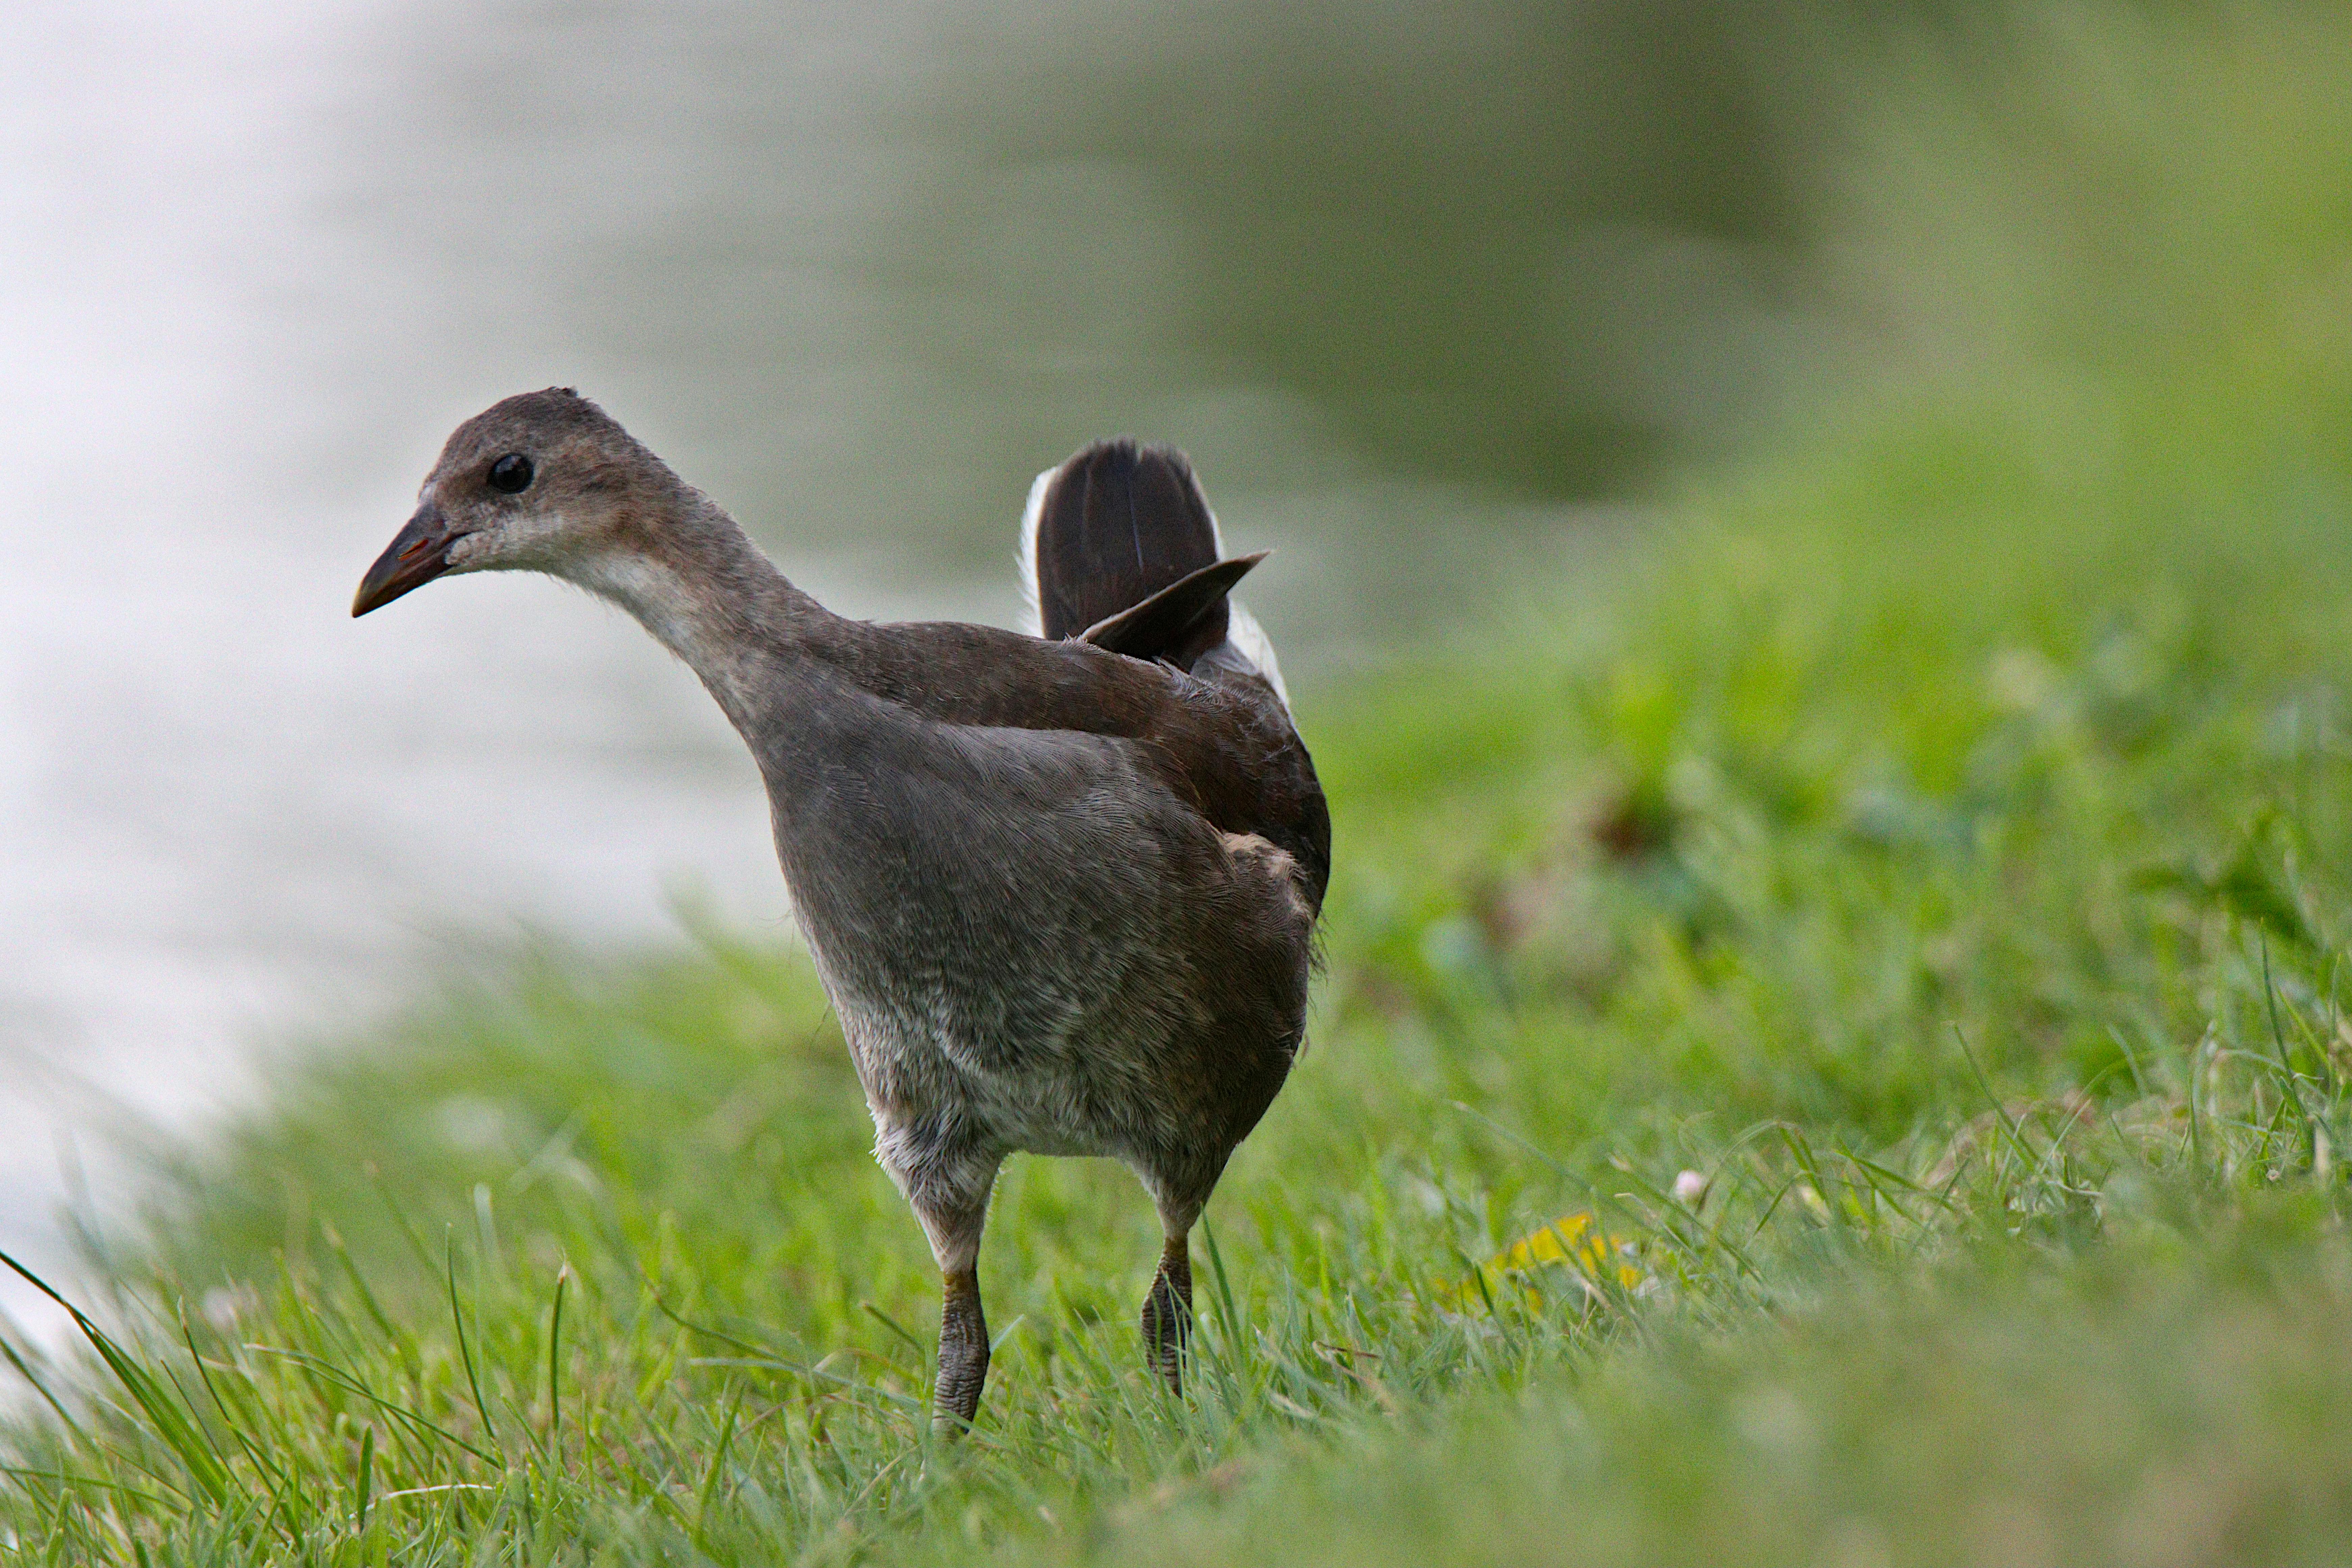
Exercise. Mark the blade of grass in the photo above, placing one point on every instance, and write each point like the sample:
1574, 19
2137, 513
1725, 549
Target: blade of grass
705, 1492
273, 1476
40, 1388
366, 1480
464, 1349
2000, 1111
175, 1427
922, 1356
554, 1352
1231, 1317
352, 1384
69, 1477
1803, 1153
2290, 1081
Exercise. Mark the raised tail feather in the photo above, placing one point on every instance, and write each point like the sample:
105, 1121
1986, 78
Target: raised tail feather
1119, 548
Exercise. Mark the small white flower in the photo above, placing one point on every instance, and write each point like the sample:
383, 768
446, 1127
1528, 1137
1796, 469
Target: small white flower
1690, 1189
223, 1306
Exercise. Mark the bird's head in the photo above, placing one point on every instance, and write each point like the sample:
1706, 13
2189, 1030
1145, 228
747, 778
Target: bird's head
545, 482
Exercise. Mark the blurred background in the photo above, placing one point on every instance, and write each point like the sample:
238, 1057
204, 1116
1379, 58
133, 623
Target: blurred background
1437, 296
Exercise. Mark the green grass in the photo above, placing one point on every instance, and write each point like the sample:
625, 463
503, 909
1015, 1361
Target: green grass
1935, 839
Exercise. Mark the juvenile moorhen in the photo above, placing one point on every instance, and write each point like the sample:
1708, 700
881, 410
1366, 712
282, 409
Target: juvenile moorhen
1062, 889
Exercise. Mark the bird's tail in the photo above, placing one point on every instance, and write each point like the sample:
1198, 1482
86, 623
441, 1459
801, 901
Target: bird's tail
1119, 548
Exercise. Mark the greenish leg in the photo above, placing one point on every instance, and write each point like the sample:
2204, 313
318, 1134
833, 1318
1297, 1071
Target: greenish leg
1168, 1313
963, 1354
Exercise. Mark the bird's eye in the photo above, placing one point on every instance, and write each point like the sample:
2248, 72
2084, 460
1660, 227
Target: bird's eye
511, 474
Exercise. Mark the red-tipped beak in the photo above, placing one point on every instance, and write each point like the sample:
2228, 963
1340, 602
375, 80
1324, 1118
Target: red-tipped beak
419, 553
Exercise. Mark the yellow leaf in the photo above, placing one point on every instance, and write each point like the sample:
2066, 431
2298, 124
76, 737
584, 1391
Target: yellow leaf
1572, 1242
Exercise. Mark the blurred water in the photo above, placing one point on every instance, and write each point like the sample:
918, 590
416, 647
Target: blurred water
251, 270
255, 262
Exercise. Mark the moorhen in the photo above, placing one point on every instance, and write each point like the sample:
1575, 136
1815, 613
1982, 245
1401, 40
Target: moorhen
1062, 888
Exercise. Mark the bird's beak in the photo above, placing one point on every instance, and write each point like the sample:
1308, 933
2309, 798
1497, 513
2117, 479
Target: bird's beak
419, 553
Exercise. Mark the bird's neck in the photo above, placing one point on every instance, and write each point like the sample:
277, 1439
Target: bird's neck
713, 597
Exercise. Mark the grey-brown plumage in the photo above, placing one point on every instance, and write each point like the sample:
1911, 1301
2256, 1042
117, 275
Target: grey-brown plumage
1062, 890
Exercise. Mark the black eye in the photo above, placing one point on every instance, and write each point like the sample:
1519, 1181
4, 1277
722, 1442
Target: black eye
511, 474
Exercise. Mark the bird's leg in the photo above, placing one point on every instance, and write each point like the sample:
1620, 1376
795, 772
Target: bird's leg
1168, 1310
963, 1354
954, 1227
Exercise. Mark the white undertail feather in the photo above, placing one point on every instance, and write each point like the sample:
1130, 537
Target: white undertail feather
1242, 629
1033, 606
